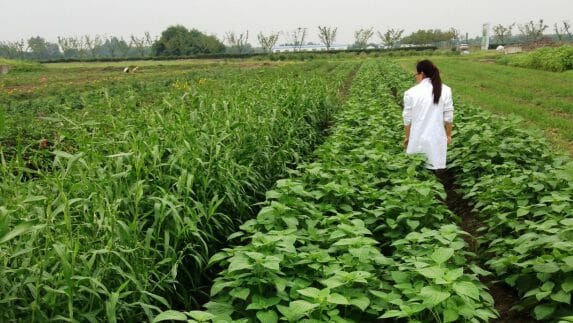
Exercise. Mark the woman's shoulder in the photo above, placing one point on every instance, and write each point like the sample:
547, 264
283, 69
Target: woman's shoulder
412, 89
446, 89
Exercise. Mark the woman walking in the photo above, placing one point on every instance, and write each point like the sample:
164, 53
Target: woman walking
428, 116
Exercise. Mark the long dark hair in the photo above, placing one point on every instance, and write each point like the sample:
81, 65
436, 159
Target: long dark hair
430, 70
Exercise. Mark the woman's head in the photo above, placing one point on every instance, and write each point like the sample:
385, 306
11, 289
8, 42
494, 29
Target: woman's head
427, 69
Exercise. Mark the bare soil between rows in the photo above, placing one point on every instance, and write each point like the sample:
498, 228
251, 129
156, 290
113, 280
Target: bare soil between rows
504, 296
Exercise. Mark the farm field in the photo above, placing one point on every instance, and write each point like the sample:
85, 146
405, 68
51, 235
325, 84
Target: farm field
59, 78
543, 99
114, 197
253, 191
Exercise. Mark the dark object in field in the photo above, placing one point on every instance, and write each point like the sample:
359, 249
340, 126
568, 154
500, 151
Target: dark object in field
44, 144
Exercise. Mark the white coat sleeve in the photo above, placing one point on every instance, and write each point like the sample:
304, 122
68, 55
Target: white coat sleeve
448, 108
407, 113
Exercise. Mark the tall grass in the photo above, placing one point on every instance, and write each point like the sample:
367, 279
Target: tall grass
134, 195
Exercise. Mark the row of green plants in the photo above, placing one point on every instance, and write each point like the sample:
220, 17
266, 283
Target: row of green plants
358, 234
523, 193
115, 217
555, 59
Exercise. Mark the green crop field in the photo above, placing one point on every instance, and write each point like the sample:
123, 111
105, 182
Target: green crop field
266, 191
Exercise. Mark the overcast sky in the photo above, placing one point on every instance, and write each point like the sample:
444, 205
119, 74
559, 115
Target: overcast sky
49, 19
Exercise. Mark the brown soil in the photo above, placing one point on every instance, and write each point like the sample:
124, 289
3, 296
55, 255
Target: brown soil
504, 296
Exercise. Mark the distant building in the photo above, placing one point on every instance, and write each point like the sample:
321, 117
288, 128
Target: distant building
306, 48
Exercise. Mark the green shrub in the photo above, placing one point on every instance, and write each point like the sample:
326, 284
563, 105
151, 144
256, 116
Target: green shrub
555, 59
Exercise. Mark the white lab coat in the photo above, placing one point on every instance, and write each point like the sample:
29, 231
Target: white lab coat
427, 132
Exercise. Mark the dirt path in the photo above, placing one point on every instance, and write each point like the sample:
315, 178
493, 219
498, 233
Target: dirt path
504, 296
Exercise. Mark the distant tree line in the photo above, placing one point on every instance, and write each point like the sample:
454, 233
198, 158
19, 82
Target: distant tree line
179, 41
531, 31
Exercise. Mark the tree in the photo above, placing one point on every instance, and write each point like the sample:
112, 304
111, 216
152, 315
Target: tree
391, 37
205, 44
13, 49
92, 44
502, 33
178, 41
112, 44
362, 36
68, 46
174, 41
454, 33
268, 42
297, 37
38, 47
567, 29
562, 31
139, 44
237, 43
125, 47
533, 31
148, 40
327, 35
427, 37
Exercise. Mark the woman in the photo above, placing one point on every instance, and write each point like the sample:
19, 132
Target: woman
428, 116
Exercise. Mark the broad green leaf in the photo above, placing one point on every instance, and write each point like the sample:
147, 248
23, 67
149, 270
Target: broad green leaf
432, 272
219, 285
479, 271
362, 302
302, 307
561, 297
201, 316
309, 292
466, 289
424, 191
335, 298
218, 257
170, 315
450, 315
296, 309
217, 308
543, 311
454, 274
267, 316
567, 285
273, 195
379, 294
272, 263
413, 224
549, 268
568, 261
392, 313
290, 221
240, 292
541, 295
433, 295
400, 276
235, 235
239, 263
332, 282
547, 286
441, 255
259, 302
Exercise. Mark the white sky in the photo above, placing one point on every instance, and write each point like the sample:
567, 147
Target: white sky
49, 19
